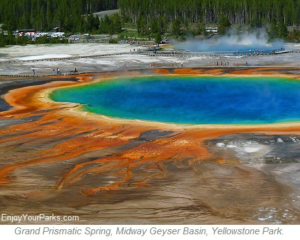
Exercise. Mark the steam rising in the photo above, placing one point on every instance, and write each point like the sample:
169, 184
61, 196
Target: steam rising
233, 42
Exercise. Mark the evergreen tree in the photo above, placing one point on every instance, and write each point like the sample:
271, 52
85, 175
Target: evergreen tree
117, 25
176, 27
273, 32
224, 25
160, 25
153, 25
96, 22
282, 30
158, 38
255, 22
2, 40
90, 23
142, 26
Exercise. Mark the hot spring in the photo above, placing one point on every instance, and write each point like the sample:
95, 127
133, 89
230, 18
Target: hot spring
190, 100
234, 44
231, 49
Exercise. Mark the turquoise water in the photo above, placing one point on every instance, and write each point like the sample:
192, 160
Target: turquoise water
191, 100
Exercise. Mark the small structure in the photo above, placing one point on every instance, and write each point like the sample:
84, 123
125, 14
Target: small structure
26, 32
58, 35
213, 30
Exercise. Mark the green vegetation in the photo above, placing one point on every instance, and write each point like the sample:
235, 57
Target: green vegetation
110, 25
191, 16
158, 38
114, 41
224, 25
176, 27
210, 11
151, 18
44, 15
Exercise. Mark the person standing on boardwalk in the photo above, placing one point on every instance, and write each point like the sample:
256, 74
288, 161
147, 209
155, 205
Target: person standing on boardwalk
33, 71
53, 71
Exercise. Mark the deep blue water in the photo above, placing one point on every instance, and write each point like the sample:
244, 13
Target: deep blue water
191, 100
231, 46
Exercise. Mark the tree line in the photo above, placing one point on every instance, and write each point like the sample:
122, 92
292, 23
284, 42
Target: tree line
151, 17
109, 25
210, 11
44, 15
181, 18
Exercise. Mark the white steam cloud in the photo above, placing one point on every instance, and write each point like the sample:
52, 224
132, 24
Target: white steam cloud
234, 41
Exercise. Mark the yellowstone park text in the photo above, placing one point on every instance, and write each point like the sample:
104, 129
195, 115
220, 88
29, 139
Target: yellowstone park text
150, 231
